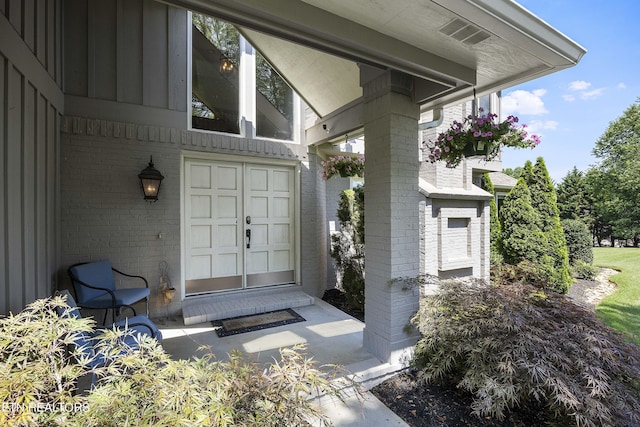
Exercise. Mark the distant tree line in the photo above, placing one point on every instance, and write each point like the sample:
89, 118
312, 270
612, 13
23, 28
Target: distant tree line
606, 197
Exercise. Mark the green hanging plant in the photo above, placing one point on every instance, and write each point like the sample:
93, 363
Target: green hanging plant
479, 136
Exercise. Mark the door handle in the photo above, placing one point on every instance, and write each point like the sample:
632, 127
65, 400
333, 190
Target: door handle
248, 239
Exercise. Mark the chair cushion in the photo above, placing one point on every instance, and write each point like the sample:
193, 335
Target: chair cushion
125, 296
85, 342
97, 274
141, 325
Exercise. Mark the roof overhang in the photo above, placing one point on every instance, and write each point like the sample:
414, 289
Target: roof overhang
451, 47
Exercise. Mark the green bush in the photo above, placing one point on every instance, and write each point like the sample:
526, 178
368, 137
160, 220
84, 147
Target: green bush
579, 241
347, 246
582, 270
520, 235
544, 201
145, 386
517, 345
524, 273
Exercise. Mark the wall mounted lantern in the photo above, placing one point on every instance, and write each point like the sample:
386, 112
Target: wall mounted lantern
150, 179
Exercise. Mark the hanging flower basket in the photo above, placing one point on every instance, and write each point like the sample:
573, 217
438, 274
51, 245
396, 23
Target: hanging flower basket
345, 166
478, 147
479, 136
344, 173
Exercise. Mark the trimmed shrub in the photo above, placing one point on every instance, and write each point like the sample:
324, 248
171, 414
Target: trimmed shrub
582, 270
544, 201
579, 241
347, 246
517, 345
520, 235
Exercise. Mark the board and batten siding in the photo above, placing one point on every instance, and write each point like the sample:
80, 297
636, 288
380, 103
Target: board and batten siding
124, 55
31, 103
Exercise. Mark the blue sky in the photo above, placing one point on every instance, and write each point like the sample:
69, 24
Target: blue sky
572, 108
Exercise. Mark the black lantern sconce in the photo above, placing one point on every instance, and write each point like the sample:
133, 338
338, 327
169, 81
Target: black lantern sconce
150, 179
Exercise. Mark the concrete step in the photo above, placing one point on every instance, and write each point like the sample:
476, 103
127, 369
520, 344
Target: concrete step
201, 309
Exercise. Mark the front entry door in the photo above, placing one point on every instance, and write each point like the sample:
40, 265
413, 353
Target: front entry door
239, 226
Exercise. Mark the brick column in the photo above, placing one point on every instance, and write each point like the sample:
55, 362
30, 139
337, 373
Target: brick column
392, 208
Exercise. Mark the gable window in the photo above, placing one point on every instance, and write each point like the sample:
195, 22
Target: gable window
215, 75
234, 88
274, 102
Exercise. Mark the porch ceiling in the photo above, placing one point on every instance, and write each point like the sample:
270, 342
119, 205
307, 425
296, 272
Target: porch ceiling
451, 46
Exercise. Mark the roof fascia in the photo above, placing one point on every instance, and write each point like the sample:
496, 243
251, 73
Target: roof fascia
510, 21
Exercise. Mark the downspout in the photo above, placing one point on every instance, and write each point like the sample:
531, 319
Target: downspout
438, 117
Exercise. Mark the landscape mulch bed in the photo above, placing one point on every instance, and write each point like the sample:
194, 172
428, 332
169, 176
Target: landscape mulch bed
422, 405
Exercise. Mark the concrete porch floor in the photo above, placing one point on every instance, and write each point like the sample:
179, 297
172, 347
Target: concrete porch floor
331, 337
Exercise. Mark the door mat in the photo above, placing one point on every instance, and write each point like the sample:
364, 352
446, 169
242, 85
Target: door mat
255, 322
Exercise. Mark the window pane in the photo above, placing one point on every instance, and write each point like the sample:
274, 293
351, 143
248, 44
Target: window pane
485, 104
216, 58
274, 102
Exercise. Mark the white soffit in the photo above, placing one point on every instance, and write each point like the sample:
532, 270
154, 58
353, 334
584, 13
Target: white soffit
507, 46
326, 82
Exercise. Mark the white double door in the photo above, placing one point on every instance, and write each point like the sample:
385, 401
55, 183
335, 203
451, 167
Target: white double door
239, 222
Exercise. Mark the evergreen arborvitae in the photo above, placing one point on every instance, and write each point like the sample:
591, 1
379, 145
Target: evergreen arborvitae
527, 172
494, 223
544, 201
520, 235
347, 246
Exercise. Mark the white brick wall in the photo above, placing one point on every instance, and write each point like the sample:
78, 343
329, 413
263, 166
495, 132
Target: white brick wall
103, 214
313, 232
391, 226
441, 245
448, 252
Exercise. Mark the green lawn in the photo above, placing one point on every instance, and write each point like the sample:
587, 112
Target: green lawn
621, 310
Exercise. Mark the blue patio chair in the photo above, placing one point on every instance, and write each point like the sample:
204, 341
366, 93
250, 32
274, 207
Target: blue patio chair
85, 341
95, 288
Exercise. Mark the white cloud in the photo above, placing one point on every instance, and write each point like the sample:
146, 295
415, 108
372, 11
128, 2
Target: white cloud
621, 85
524, 102
592, 94
538, 126
579, 85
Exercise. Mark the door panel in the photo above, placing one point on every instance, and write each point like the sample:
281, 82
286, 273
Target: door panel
214, 258
223, 203
269, 195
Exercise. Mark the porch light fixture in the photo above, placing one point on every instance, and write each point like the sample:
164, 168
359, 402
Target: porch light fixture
150, 179
226, 65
